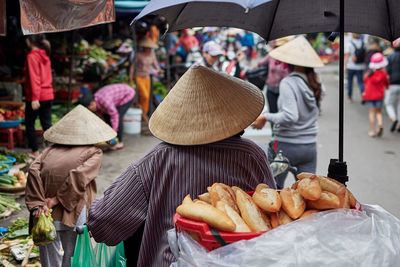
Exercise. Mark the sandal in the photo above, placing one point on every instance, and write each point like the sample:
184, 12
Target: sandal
371, 134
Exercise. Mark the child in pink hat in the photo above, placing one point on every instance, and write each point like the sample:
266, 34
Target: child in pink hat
376, 80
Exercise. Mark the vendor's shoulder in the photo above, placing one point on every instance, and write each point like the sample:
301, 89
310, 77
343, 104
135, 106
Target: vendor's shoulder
243, 145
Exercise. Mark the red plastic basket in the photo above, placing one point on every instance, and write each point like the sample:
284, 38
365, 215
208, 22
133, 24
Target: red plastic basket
207, 237
210, 238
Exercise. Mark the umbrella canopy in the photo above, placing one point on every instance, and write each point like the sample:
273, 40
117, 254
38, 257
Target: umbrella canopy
272, 19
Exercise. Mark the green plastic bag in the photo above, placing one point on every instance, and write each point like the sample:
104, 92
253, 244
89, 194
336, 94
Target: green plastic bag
99, 256
44, 232
110, 256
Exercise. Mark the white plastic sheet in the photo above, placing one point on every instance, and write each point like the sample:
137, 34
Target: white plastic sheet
333, 238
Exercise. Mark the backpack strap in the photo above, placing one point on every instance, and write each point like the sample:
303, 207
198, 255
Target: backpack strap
302, 78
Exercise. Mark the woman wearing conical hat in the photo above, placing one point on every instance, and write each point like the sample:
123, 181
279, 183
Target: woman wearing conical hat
199, 123
295, 123
62, 178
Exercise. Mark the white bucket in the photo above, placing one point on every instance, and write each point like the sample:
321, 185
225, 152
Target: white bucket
133, 121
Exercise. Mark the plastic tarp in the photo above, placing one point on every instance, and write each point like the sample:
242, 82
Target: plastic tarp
3, 19
333, 238
38, 16
127, 7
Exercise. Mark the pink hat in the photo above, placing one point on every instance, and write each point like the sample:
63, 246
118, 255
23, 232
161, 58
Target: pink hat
213, 49
378, 61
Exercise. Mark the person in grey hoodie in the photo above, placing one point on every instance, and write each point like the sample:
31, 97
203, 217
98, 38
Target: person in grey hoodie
296, 123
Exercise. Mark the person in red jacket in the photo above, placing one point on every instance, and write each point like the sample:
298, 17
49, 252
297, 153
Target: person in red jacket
39, 93
376, 80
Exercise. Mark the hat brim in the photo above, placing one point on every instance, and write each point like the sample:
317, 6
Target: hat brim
380, 65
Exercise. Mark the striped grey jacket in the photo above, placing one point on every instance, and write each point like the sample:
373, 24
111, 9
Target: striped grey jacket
150, 190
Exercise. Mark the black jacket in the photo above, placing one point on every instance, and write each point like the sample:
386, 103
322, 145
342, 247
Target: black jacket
394, 67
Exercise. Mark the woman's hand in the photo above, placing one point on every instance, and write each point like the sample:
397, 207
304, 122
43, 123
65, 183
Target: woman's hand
35, 105
51, 202
260, 122
40, 210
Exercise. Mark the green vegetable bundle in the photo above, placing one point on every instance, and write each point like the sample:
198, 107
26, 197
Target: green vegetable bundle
44, 232
8, 180
8, 202
19, 156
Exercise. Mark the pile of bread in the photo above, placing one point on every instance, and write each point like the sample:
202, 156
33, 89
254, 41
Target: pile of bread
231, 209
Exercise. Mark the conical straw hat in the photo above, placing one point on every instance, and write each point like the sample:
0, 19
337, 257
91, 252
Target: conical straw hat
80, 126
206, 106
297, 52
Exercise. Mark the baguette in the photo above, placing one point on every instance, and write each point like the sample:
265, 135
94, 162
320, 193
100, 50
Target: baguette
251, 214
327, 201
295, 185
241, 226
330, 185
187, 200
208, 214
309, 188
205, 197
198, 201
280, 218
292, 203
343, 195
222, 192
352, 200
267, 199
303, 175
308, 213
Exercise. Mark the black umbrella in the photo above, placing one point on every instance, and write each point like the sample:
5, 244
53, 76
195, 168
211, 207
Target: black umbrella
272, 19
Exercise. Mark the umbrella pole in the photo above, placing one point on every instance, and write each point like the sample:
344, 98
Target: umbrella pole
337, 167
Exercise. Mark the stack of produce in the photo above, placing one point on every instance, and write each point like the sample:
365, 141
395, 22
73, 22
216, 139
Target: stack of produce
11, 115
16, 180
8, 205
19, 156
230, 209
16, 244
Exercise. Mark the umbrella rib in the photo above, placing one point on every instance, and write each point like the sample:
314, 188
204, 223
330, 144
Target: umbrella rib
273, 19
179, 14
390, 20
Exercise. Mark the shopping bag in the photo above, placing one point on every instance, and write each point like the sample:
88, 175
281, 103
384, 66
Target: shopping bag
83, 254
44, 232
99, 255
110, 256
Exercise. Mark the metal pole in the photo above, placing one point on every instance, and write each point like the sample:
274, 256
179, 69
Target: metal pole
341, 82
337, 167
71, 69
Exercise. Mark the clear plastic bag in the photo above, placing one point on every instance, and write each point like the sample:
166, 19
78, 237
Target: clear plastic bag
44, 231
333, 238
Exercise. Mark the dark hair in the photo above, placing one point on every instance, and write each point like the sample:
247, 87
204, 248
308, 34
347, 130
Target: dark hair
39, 40
85, 99
314, 84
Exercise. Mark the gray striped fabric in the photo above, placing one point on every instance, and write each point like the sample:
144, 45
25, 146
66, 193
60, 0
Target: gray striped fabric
151, 189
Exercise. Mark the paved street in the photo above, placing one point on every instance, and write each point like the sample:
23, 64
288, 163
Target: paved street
374, 164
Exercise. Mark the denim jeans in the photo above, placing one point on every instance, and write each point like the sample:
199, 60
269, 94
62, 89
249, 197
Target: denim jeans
350, 76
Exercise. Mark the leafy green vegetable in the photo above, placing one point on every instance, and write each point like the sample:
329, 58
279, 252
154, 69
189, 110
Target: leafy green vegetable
19, 156
18, 228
